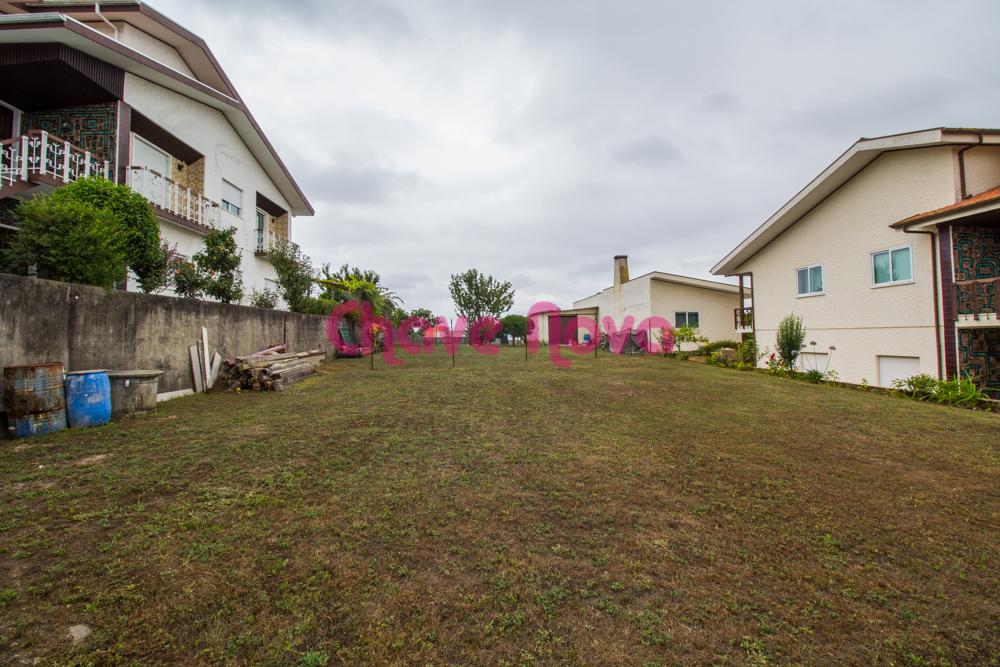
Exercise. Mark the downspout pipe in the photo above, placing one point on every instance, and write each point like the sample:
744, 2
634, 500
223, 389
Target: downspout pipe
97, 10
961, 166
938, 332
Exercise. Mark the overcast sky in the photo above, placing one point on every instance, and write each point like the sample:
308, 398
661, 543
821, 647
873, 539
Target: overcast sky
534, 140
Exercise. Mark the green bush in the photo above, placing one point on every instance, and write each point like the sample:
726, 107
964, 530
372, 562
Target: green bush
264, 298
136, 222
68, 240
295, 276
708, 348
748, 353
791, 338
960, 391
318, 306
219, 265
187, 279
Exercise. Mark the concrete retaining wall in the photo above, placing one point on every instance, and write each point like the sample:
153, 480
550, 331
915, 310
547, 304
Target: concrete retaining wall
88, 327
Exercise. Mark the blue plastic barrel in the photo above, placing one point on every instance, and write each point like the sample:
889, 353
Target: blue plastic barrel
88, 398
33, 398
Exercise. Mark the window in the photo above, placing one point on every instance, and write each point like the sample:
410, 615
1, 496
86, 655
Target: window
810, 280
892, 267
232, 198
685, 319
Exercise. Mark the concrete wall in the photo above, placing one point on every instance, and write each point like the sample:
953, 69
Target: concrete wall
88, 327
861, 321
226, 157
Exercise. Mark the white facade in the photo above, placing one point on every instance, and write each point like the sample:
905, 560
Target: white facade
160, 115
864, 329
665, 295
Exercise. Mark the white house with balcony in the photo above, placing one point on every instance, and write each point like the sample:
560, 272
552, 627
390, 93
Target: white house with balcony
119, 90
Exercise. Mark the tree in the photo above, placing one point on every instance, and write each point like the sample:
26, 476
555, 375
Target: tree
477, 295
790, 339
515, 326
64, 239
349, 283
219, 265
295, 275
688, 334
136, 223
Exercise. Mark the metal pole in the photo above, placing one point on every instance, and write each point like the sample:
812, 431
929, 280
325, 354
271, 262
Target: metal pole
372, 353
451, 335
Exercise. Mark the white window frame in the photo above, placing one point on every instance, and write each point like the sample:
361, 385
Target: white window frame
687, 317
228, 206
807, 268
892, 283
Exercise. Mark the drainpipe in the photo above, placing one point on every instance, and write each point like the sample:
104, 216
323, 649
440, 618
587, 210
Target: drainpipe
97, 10
961, 165
938, 332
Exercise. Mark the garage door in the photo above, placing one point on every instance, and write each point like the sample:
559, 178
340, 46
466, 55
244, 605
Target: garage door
896, 368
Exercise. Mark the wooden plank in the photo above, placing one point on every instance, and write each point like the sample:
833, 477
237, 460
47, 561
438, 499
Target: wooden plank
199, 382
213, 373
206, 363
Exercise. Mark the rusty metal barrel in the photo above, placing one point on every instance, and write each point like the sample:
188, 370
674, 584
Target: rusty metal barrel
35, 399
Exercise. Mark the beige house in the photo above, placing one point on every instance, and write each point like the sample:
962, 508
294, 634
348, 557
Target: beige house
709, 306
892, 258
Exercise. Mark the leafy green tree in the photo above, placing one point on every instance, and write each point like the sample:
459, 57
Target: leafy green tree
137, 224
188, 281
790, 339
688, 334
295, 275
350, 283
515, 326
219, 264
65, 239
477, 295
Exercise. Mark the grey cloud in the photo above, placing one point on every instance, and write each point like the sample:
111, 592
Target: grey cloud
534, 140
648, 151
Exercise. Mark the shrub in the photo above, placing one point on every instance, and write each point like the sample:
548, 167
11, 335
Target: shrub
68, 240
667, 341
136, 222
791, 337
187, 279
264, 298
295, 276
960, 391
920, 387
318, 306
815, 376
687, 334
748, 353
219, 265
708, 348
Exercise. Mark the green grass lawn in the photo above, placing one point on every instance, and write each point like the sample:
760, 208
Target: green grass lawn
627, 510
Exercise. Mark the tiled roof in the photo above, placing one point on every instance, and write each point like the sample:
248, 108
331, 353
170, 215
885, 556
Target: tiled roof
971, 202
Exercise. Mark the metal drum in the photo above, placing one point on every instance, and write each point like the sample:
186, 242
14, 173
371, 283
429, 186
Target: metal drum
34, 399
88, 398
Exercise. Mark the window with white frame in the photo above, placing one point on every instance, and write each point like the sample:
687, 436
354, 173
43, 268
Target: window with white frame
686, 319
232, 198
809, 280
892, 267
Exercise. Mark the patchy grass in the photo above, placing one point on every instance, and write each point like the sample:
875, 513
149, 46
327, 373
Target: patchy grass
627, 510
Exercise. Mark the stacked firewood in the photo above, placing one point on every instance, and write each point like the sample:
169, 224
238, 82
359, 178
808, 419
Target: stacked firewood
271, 369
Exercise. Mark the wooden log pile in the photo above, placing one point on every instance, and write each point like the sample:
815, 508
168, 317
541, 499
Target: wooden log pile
271, 369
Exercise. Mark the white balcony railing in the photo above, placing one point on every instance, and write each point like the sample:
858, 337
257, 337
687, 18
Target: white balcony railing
40, 154
174, 198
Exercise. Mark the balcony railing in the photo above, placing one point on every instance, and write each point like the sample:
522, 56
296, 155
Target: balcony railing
171, 197
977, 299
39, 157
743, 318
267, 239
